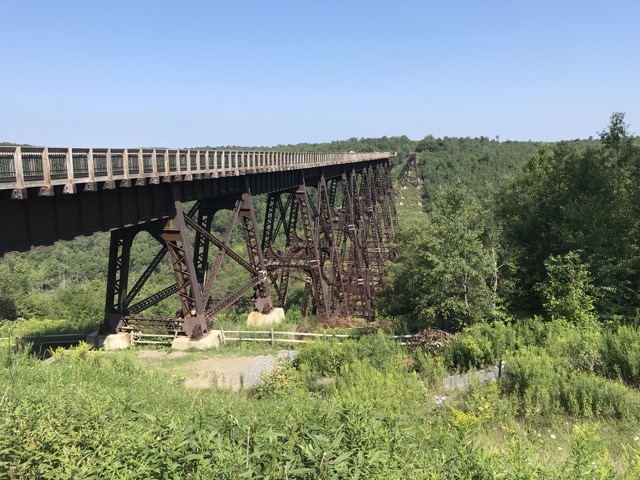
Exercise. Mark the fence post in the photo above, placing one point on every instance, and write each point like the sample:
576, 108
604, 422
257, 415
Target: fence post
273, 339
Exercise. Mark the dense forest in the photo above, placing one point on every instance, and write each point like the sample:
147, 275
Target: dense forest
557, 236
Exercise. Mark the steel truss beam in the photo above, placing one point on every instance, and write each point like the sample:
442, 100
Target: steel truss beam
409, 174
338, 242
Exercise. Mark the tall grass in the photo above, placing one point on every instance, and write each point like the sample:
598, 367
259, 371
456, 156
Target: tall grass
353, 410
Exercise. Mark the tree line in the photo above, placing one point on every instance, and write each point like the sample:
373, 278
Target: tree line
557, 237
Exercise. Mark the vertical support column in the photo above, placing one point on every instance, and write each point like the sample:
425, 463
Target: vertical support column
117, 280
312, 255
373, 242
262, 298
389, 212
201, 244
189, 290
353, 248
277, 216
328, 248
392, 196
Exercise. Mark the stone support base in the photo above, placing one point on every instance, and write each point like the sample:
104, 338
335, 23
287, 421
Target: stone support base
117, 341
257, 319
210, 340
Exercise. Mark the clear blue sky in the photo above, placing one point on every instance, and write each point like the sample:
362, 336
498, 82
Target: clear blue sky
195, 73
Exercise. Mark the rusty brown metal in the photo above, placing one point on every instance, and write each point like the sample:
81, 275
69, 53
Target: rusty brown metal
334, 234
409, 174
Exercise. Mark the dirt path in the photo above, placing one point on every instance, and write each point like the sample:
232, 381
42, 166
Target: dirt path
200, 371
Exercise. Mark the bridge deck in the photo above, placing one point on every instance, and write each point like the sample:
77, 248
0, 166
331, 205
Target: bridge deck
52, 194
45, 168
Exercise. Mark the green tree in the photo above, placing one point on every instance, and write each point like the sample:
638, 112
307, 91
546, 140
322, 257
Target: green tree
567, 199
8, 309
444, 274
567, 292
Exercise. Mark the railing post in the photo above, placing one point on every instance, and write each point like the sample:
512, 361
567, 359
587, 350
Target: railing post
47, 189
141, 178
19, 192
125, 169
70, 186
90, 166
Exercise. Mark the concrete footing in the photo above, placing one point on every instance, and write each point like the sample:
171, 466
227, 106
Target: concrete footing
117, 341
96, 340
210, 340
256, 319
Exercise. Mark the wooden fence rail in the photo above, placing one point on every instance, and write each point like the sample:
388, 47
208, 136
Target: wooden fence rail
271, 336
274, 336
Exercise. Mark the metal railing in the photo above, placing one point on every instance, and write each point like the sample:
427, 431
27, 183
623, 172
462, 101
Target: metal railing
26, 167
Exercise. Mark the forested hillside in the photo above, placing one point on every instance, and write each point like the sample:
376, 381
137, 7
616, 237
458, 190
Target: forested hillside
67, 280
500, 214
557, 237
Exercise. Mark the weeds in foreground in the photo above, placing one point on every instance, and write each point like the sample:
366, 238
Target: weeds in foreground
361, 409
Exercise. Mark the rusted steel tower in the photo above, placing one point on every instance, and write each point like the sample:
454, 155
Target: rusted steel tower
409, 174
329, 219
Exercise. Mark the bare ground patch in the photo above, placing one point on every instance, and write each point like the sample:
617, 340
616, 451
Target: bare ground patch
224, 372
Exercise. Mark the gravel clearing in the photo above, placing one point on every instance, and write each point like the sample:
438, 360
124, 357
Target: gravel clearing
232, 372
460, 382
264, 364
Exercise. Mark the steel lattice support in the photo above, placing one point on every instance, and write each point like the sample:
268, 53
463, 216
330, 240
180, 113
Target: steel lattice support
315, 287
189, 290
337, 236
370, 229
201, 244
329, 248
409, 174
280, 217
117, 278
262, 297
356, 274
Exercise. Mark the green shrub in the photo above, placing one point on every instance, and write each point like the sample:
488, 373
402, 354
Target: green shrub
281, 379
579, 344
472, 348
381, 351
328, 358
430, 369
547, 386
621, 354
323, 358
589, 396
532, 377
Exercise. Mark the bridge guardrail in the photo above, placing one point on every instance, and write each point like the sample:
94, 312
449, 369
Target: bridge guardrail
45, 167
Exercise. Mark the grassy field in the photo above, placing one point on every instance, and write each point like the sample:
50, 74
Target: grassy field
359, 409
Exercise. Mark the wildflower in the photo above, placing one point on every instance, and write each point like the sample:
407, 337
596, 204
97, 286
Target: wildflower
553, 437
559, 448
636, 438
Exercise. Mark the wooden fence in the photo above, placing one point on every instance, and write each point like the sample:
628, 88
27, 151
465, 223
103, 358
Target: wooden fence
275, 336
272, 337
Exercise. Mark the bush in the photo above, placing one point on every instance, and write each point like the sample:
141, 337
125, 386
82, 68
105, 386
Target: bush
532, 377
281, 379
472, 348
429, 368
548, 386
620, 353
322, 358
579, 344
328, 358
